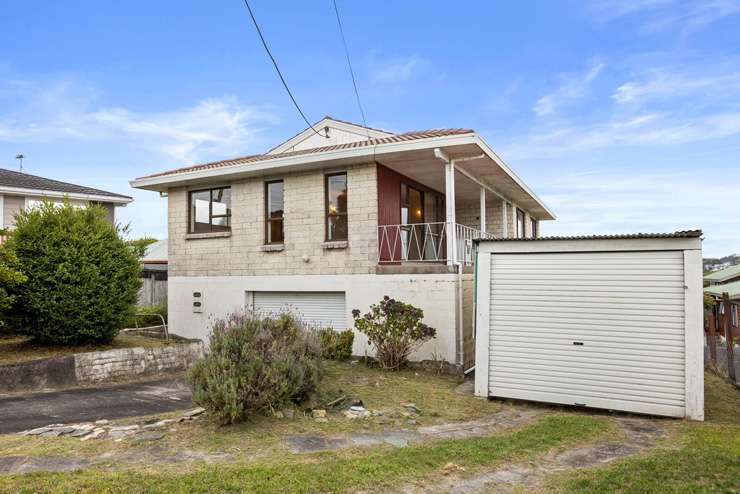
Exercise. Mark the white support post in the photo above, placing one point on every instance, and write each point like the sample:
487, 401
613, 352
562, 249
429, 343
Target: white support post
505, 229
482, 210
694, 334
482, 322
450, 212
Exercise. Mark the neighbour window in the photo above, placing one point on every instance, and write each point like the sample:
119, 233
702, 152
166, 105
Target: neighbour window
519, 223
274, 212
534, 228
210, 210
336, 207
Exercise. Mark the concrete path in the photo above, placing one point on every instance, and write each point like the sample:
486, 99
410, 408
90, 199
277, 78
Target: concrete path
22, 412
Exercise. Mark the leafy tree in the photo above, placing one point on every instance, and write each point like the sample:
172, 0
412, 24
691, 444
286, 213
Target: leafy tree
139, 245
82, 276
10, 279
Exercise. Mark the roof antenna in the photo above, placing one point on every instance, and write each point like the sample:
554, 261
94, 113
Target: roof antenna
20, 157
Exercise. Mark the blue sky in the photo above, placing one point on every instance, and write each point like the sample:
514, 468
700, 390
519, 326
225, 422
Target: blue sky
622, 116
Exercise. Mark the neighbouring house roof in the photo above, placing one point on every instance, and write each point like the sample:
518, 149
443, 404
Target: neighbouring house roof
679, 234
724, 274
24, 183
733, 289
156, 253
357, 145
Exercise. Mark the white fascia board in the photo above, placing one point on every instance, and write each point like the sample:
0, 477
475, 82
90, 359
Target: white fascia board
318, 160
500, 162
589, 245
58, 194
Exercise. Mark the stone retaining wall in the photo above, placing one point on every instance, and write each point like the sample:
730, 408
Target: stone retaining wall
94, 367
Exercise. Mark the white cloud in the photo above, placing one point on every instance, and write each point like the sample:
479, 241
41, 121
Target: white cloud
395, 70
571, 88
68, 109
681, 16
617, 202
663, 84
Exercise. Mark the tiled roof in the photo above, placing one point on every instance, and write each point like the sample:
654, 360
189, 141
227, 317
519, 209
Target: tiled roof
408, 136
10, 178
733, 289
681, 234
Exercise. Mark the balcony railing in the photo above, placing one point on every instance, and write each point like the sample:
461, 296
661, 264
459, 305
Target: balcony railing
427, 242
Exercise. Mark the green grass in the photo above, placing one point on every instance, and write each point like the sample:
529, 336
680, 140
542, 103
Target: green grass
705, 458
15, 349
708, 461
350, 471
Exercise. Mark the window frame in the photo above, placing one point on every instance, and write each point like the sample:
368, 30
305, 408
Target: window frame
328, 214
534, 224
520, 232
210, 210
267, 219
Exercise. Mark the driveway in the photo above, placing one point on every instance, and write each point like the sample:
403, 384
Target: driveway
21, 412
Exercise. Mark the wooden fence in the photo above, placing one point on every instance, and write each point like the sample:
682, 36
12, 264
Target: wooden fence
153, 289
726, 331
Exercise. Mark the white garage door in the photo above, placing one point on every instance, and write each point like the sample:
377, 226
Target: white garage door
326, 309
601, 329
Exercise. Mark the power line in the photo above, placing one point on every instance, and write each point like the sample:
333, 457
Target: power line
285, 84
349, 64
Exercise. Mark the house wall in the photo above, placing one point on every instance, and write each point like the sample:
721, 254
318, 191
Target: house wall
468, 214
304, 253
435, 294
13, 204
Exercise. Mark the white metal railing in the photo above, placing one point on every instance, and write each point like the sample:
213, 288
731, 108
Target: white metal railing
427, 242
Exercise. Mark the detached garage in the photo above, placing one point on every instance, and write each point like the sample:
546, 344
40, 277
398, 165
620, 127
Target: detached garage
609, 322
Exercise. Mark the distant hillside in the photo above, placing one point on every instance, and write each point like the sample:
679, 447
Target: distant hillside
715, 264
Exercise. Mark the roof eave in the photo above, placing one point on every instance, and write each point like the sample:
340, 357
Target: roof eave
118, 199
161, 183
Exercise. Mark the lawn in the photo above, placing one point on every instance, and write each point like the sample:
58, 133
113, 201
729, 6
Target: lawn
692, 457
15, 349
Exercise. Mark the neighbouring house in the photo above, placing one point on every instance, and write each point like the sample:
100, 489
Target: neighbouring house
335, 218
726, 275
725, 281
154, 274
20, 191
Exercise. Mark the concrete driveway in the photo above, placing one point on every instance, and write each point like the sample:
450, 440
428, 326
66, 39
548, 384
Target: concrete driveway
21, 412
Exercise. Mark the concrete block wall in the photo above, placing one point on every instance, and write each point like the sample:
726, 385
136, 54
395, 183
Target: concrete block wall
304, 229
468, 214
93, 367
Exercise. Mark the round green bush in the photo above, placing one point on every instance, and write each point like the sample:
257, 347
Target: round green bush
256, 364
82, 277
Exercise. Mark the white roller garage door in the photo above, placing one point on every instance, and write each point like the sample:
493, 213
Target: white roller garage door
609, 322
326, 309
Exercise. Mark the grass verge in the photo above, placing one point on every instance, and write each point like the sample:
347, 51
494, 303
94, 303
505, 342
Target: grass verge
327, 472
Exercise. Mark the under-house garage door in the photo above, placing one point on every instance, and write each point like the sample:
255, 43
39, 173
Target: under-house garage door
326, 309
600, 329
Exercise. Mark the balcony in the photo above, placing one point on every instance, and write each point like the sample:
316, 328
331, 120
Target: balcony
427, 243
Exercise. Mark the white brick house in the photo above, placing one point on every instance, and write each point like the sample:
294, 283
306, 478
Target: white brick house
326, 224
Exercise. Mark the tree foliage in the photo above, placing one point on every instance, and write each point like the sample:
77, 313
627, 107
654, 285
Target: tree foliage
10, 279
395, 329
82, 277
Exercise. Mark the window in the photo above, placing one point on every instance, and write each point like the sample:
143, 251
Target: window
534, 228
519, 223
412, 205
274, 212
210, 210
336, 207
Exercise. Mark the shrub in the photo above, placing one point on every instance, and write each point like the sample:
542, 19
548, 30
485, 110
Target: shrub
395, 329
336, 345
10, 279
83, 279
256, 364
